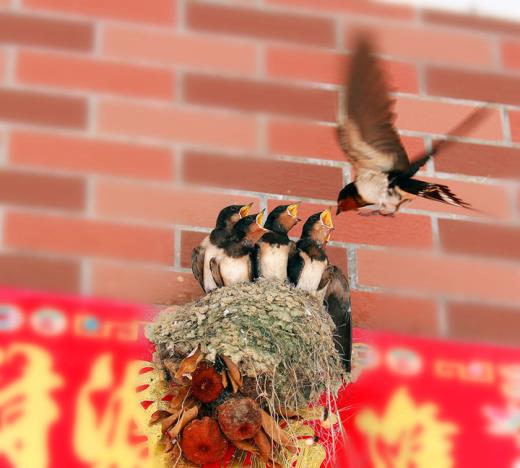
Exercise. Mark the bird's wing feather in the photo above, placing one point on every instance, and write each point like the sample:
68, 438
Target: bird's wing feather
366, 120
215, 271
337, 300
197, 264
294, 266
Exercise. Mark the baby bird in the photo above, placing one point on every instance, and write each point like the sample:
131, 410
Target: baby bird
234, 264
275, 247
212, 245
309, 269
307, 265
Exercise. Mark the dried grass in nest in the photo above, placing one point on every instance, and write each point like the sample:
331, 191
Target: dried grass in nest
279, 336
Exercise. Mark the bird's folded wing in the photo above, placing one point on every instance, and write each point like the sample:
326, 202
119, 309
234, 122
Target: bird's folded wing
197, 264
366, 121
215, 271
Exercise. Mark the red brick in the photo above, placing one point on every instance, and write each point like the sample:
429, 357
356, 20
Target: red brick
480, 86
489, 201
158, 11
93, 156
64, 71
163, 204
261, 24
288, 137
2, 65
490, 240
189, 240
510, 51
178, 124
477, 322
420, 43
262, 175
338, 256
42, 109
32, 272
514, 123
462, 277
465, 21
41, 190
330, 67
380, 311
361, 7
202, 52
404, 230
441, 117
256, 96
88, 237
479, 160
304, 139
45, 32
139, 283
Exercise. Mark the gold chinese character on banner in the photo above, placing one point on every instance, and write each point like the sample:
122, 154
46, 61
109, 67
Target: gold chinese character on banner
111, 436
27, 408
408, 434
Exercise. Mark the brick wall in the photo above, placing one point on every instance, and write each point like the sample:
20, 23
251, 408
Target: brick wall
126, 125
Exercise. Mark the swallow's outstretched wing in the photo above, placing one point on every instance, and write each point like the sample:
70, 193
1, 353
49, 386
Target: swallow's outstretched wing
366, 120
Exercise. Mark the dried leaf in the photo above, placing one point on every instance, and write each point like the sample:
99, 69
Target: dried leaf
170, 420
186, 416
180, 395
157, 416
275, 432
246, 446
264, 445
223, 373
234, 371
189, 364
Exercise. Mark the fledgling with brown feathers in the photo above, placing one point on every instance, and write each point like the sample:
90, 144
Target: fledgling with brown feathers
384, 176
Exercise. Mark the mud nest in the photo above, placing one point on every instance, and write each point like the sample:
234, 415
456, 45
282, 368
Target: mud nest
280, 338
240, 364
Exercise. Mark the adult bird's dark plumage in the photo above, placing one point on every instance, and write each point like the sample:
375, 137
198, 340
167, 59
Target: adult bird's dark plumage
384, 176
234, 263
212, 245
275, 247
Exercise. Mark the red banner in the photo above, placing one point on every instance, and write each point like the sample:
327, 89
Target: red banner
69, 368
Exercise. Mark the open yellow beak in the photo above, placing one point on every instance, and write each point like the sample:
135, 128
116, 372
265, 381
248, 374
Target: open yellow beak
293, 210
260, 218
326, 218
244, 211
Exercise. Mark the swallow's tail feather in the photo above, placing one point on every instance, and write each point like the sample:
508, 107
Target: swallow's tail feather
437, 192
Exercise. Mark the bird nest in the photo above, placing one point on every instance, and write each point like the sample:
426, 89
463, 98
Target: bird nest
251, 356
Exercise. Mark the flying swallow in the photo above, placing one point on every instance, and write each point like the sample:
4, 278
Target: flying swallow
384, 176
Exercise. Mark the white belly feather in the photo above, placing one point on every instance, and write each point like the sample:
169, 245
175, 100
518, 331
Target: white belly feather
273, 261
311, 274
211, 251
235, 270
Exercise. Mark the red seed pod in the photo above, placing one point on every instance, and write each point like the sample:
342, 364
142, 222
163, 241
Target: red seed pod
206, 383
202, 441
239, 418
